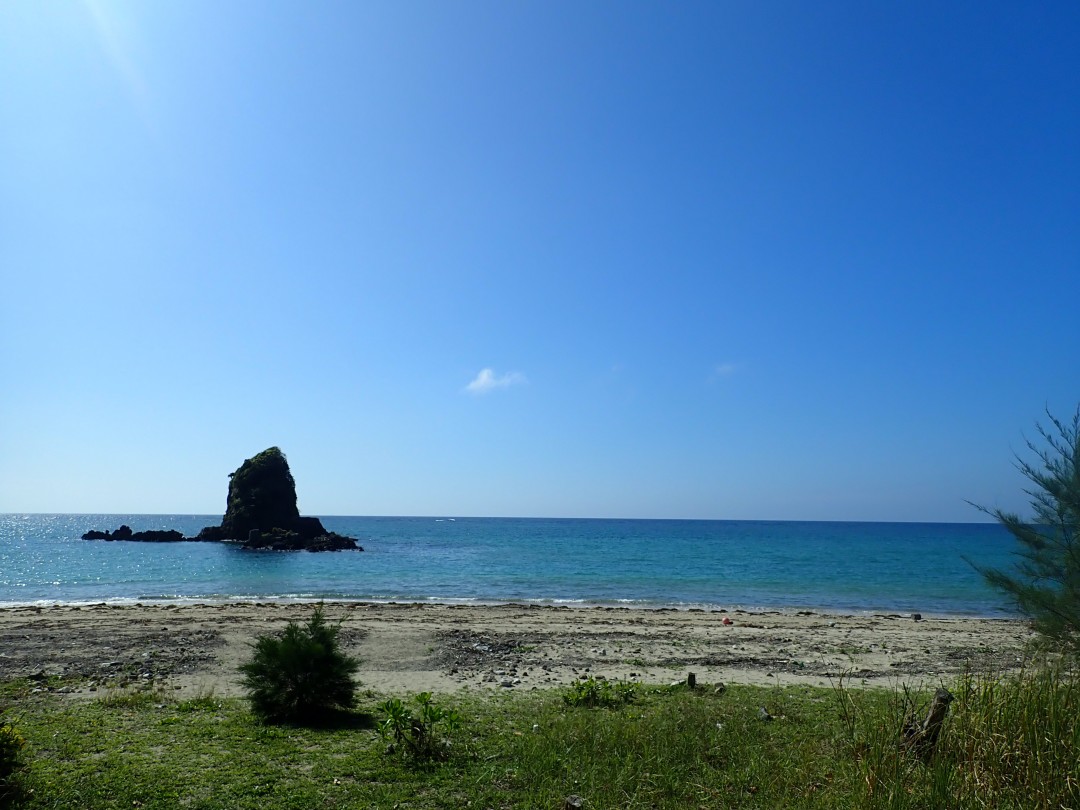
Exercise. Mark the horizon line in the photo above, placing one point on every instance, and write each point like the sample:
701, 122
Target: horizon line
447, 516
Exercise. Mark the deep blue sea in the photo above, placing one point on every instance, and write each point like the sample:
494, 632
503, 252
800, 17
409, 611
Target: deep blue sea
836, 567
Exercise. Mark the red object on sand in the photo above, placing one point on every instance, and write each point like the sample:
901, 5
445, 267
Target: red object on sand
726, 620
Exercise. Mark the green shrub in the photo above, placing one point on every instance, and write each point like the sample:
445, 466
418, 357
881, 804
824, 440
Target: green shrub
11, 744
300, 675
421, 737
600, 693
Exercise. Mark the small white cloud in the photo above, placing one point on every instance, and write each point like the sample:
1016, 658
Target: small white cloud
723, 370
487, 381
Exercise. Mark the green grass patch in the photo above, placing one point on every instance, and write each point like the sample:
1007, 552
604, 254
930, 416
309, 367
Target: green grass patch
1007, 743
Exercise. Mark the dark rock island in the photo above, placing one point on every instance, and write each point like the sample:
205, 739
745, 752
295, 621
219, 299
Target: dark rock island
261, 513
125, 533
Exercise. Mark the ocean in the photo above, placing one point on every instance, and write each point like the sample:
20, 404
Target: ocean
710, 564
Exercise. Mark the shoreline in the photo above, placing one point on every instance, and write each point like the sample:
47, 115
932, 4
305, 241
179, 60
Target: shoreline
553, 604
193, 648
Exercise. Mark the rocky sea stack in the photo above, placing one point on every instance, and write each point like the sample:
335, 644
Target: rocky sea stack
261, 511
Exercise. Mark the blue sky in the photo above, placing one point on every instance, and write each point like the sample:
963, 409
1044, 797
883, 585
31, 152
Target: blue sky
717, 260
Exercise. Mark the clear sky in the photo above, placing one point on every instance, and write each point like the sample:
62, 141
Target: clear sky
762, 260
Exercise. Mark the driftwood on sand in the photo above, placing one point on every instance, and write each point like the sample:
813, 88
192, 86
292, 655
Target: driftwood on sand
921, 738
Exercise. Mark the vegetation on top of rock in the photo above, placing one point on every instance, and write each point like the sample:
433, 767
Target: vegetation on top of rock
262, 496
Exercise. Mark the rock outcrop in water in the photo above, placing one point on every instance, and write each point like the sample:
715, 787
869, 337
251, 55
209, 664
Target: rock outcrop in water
261, 513
125, 533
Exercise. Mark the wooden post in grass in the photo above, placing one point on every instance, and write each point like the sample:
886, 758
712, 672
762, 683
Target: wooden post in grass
921, 738
691, 680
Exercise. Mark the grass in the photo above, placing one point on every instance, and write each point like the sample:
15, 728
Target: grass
1008, 742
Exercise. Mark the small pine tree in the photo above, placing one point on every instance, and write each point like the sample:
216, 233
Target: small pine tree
299, 675
1046, 583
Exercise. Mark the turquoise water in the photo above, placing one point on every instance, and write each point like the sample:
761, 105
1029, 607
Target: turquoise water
843, 567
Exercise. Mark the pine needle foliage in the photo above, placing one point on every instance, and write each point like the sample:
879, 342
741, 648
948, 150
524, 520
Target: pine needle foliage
1046, 582
300, 675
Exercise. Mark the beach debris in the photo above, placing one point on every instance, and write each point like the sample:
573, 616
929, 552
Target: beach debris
763, 714
727, 622
917, 617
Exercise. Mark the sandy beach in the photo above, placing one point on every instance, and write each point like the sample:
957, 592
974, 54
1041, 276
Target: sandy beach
195, 649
